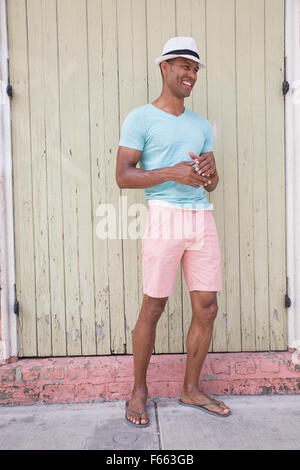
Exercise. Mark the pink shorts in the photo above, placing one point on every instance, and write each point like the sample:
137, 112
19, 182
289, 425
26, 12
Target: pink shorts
172, 235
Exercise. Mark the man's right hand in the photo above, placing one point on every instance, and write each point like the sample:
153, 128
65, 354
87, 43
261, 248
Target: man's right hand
185, 173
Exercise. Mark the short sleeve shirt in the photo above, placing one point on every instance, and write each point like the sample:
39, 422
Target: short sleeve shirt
166, 139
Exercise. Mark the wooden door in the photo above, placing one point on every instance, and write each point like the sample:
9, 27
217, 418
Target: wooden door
77, 68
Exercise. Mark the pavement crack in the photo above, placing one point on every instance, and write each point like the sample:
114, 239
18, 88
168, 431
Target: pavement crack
157, 425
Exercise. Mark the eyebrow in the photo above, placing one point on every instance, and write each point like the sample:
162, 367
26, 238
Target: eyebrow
187, 63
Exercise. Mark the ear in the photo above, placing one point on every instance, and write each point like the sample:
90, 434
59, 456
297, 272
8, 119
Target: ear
163, 67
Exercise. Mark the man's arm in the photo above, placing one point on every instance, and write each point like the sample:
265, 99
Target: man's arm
128, 176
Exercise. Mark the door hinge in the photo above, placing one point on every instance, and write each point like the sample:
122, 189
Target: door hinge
285, 83
285, 87
9, 89
287, 301
16, 303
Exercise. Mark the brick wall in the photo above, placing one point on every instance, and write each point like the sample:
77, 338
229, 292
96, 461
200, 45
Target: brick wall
101, 378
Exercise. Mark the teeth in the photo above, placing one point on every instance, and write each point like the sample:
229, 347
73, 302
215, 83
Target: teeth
187, 83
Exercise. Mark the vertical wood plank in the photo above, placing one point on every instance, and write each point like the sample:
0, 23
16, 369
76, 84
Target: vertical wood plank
97, 129
274, 44
251, 119
54, 190
260, 216
160, 28
190, 21
132, 57
198, 32
22, 168
111, 129
126, 88
37, 92
85, 234
221, 114
69, 65
246, 173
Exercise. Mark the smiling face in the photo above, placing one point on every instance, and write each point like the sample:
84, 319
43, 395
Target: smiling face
180, 75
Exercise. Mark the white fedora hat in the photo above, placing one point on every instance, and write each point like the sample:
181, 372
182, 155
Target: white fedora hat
180, 47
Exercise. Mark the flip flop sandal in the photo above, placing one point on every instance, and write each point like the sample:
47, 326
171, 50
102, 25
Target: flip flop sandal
202, 408
137, 413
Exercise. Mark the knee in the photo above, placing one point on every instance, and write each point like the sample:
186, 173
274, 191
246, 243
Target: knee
212, 311
153, 309
206, 315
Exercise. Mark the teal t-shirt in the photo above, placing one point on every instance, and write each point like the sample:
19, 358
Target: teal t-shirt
165, 140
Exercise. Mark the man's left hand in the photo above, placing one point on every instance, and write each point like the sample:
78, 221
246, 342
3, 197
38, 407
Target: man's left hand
206, 164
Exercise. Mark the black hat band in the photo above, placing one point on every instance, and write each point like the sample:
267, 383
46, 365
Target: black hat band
183, 51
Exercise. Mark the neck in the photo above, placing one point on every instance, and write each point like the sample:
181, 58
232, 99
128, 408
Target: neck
169, 102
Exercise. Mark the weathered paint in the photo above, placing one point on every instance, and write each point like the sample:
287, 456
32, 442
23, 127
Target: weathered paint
88, 64
106, 378
8, 321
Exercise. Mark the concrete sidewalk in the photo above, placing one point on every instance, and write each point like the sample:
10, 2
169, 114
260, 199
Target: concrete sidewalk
257, 423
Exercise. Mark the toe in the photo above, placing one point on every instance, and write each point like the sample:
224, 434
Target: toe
224, 407
134, 418
131, 417
218, 408
144, 419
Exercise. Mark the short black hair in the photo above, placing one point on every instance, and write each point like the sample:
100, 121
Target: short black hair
170, 62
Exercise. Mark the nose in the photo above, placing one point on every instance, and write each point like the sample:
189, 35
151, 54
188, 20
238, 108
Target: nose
192, 75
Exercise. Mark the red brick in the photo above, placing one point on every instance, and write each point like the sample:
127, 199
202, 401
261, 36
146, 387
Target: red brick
153, 370
271, 366
158, 389
53, 373
57, 393
221, 367
245, 367
31, 375
175, 389
287, 385
119, 391
7, 376
83, 392
170, 372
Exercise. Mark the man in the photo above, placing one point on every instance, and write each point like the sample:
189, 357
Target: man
173, 146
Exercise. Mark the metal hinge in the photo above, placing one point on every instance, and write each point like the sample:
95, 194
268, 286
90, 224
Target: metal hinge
9, 89
16, 303
285, 83
287, 300
285, 87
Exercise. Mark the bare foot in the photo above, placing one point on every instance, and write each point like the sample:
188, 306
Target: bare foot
138, 403
196, 397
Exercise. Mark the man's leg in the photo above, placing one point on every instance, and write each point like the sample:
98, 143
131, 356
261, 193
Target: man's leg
204, 308
143, 340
